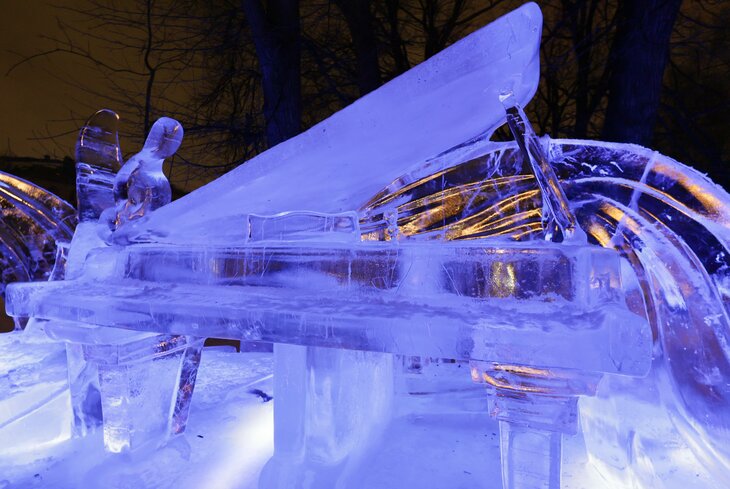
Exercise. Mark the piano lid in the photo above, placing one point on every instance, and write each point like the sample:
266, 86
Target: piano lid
340, 163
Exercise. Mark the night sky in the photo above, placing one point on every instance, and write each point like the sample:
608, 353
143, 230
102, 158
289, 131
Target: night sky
43, 100
37, 97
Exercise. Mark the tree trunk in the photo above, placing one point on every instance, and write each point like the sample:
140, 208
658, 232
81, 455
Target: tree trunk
360, 23
638, 56
276, 33
580, 17
397, 46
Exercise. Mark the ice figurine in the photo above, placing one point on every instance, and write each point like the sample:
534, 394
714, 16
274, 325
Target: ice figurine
140, 186
583, 283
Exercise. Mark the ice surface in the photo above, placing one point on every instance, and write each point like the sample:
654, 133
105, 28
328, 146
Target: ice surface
229, 439
439, 415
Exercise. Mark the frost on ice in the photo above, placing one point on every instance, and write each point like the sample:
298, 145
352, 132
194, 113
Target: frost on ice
560, 296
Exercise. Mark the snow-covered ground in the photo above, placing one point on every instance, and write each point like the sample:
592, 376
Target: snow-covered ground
440, 436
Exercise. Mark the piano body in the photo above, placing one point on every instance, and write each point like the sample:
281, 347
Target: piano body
396, 229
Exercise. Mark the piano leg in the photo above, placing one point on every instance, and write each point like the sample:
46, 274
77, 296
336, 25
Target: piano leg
531, 456
138, 387
186, 384
535, 408
83, 381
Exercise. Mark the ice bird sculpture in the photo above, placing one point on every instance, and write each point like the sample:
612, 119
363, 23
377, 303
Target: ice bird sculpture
584, 283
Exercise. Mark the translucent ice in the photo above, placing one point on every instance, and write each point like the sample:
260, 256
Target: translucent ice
302, 225
558, 219
32, 220
98, 158
342, 161
34, 402
140, 186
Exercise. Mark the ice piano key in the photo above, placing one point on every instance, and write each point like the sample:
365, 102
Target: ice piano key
469, 300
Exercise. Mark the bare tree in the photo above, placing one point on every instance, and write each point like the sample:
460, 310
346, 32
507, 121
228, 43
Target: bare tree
243, 75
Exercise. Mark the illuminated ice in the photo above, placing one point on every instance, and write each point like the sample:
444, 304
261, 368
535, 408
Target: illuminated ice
34, 405
394, 258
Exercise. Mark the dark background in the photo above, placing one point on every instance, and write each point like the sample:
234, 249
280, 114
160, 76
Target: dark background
242, 75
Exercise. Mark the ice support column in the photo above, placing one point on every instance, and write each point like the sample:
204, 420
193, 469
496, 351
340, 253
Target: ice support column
535, 408
530, 458
329, 405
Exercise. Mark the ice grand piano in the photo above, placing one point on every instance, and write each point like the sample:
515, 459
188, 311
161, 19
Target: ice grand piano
557, 270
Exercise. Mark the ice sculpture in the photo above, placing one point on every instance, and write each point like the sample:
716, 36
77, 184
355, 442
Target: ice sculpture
584, 283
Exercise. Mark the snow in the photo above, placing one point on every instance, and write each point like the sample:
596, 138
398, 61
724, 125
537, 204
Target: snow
440, 436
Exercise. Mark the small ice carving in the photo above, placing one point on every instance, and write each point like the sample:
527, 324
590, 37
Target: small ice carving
140, 186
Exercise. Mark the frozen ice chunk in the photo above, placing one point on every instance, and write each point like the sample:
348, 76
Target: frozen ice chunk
34, 396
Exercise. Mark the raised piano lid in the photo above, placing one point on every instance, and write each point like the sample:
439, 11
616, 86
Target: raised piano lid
340, 163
